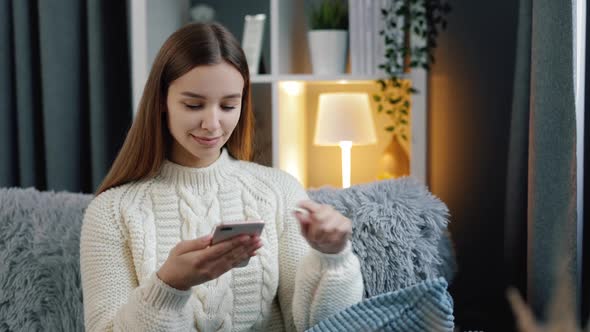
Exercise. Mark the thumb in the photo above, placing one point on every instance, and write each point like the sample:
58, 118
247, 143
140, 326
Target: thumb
304, 222
199, 243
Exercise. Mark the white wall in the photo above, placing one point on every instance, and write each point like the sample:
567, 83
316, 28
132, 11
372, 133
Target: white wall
164, 17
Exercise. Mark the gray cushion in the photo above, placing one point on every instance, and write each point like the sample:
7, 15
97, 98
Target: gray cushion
39, 260
399, 232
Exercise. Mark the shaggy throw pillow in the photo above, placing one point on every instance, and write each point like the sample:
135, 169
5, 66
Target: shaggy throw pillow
399, 232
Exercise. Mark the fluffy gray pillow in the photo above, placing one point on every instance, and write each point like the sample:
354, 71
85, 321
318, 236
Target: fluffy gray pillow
399, 232
40, 260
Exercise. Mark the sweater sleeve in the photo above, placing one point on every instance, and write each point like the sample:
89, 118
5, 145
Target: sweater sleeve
312, 285
113, 300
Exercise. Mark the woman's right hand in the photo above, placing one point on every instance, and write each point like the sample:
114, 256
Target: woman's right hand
194, 262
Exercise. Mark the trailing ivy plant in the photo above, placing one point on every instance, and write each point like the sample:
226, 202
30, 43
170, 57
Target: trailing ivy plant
410, 31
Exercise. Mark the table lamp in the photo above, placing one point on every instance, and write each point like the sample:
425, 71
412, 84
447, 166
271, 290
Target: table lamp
344, 119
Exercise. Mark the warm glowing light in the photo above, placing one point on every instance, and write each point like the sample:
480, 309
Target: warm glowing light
293, 88
292, 168
344, 119
291, 138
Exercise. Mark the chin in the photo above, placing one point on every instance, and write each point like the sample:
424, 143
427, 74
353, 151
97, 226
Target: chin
204, 152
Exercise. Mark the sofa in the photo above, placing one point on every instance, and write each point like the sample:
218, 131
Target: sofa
399, 234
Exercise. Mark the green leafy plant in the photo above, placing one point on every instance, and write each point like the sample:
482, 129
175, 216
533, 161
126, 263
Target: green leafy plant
411, 28
395, 100
329, 15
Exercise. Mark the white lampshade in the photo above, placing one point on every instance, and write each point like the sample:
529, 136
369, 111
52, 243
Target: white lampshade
344, 117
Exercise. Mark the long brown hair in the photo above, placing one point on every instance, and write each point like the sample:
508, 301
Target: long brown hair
148, 141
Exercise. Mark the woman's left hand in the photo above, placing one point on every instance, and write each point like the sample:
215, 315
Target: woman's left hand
324, 228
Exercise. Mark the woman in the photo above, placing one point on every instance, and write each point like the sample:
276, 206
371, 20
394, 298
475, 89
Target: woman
147, 261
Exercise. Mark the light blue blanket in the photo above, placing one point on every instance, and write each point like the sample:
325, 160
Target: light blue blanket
426, 306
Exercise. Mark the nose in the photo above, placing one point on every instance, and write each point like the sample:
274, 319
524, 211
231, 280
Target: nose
210, 121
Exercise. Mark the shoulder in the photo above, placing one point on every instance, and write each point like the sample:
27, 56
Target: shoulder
116, 199
104, 205
108, 210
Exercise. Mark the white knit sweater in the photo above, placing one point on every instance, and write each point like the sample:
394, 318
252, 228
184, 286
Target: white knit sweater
128, 232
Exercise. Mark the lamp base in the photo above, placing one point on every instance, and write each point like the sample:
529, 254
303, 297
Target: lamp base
345, 147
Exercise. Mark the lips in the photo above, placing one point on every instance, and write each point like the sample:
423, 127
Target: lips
207, 141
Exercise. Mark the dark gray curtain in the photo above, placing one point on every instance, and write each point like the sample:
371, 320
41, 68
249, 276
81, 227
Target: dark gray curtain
65, 91
585, 291
541, 182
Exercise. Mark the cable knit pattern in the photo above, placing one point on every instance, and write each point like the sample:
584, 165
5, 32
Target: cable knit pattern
128, 232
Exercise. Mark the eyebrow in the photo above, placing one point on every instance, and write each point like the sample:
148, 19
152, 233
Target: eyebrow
195, 95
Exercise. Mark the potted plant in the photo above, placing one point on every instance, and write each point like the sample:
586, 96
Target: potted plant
328, 37
410, 31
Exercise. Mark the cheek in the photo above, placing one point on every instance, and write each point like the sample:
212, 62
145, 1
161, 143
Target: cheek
178, 122
233, 120
172, 121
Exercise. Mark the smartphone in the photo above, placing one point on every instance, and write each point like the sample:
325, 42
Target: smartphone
228, 230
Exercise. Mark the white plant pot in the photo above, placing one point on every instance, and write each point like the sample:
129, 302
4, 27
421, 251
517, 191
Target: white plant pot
328, 51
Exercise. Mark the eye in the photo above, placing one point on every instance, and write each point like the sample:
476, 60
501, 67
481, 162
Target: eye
228, 108
193, 107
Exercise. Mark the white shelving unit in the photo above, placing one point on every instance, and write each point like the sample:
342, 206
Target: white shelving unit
292, 86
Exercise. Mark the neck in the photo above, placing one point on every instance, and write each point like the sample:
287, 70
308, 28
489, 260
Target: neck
203, 178
179, 155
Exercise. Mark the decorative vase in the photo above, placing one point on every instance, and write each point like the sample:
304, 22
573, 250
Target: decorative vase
395, 162
328, 51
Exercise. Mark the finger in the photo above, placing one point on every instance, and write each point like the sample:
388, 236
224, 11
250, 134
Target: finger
337, 237
309, 205
252, 250
302, 217
305, 229
304, 222
315, 232
230, 259
234, 257
252, 253
323, 214
329, 230
220, 249
192, 245
300, 211
316, 219
343, 231
346, 229
254, 245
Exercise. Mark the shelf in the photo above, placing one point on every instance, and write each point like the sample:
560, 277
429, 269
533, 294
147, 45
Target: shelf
328, 79
264, 78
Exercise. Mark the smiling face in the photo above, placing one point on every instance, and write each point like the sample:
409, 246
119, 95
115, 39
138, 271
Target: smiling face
204, 107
